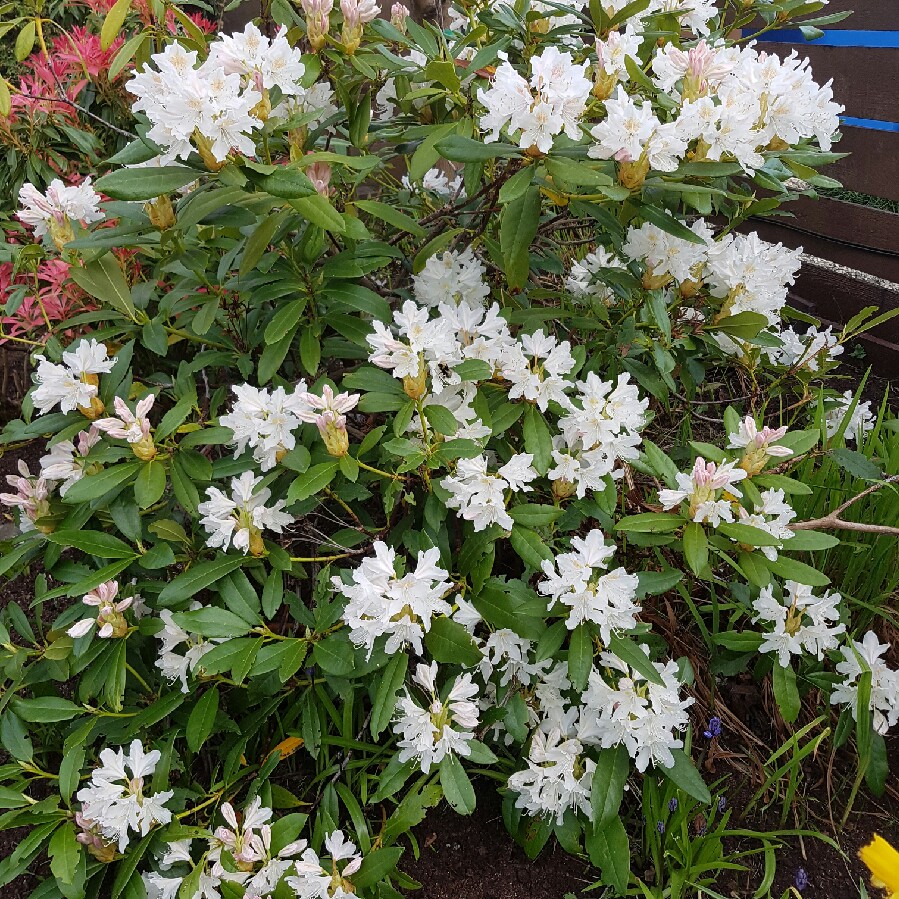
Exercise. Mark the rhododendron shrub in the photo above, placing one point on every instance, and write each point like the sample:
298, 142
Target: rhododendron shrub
376, 461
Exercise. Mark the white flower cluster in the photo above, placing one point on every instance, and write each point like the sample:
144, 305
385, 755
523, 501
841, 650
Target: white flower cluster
32, 496
480, 495
245, 844
557, 777
584, 280
265, 421
703, 488
602, 427
239, 519
437, 182
114, 798
573, 580
802, 623
552, 102
176, 665
219, 103
860, 423
734, 102
315, 881
640, 714
867, 655
110, 621
73, 384
773, 516
452, 278
400, 608
61, 205
66, 461
442, 727
811, 350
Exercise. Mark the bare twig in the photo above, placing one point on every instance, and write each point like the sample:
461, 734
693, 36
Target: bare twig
832, 521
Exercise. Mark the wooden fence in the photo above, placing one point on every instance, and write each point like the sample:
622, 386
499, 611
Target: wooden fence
859, 244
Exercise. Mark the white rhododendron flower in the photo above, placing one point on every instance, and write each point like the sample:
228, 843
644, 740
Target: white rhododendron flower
642, 715
452, 277
558, 778
773, 516
575, 580
175, 666
73, 384
867, 655
32, 496
860, 422
536, 366
552, 102
315, 880
401, 608
443, 727
811, 350
114, 797
54, 211
67, 459
703, 488
480, 495
110, 621
801, 623
264, 63
239, 519
265, 421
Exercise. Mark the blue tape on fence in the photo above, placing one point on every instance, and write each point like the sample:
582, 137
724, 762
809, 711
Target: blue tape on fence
872, 124
886, 39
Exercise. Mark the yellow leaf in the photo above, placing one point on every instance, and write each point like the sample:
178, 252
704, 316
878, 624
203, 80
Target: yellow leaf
288, 746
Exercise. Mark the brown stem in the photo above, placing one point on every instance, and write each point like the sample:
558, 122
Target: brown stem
832, 520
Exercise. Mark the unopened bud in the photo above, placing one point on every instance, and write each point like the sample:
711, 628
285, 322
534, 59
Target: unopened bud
416, 386
161, 213
144, 449
398, 16
633, 174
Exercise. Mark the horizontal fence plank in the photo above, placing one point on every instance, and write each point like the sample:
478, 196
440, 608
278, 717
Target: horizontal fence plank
864, 96
846, 223
787, 231
873, 166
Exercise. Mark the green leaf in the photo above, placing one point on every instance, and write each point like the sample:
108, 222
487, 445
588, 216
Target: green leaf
464, 149
320, 212
202, 719
748, 535
786, 693
150, 484
312, 481
310, 349
516, 185
93, 486
334, 655
537, 439
258, 242
531, 515
683, 774
376, 865
609, 779
286, 182
456, 785
449, 642
384, 703
810, 541
580, 655
112, 25
474, 370
696, 547
666, 222
65, 854
189, 583
145, 183
441, 420
212, 621
857, 464
104, 280
743, 325
530, 546
94, 543
794, 570
632, 653
610, 851
652, 583
45, 709
392, 216
518, 226
650, 523
285, 320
